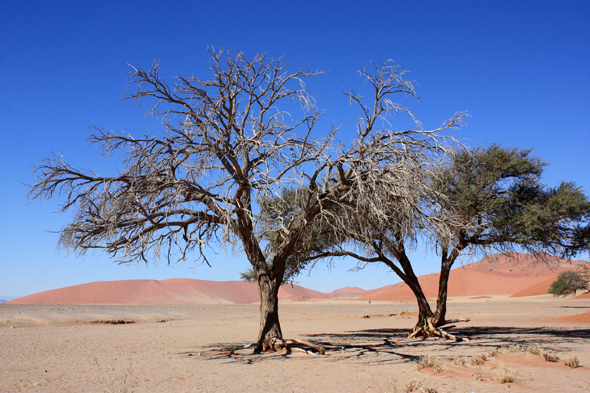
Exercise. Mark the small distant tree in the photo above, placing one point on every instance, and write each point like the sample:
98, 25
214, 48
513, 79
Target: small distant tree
228, 143
570, 282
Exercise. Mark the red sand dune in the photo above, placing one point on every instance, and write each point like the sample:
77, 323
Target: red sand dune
583, 318
541, 288
497, 275
525, 265
346, 293
173, 291
346, 290
463, 281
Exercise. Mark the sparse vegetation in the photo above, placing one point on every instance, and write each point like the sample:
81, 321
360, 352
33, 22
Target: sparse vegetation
514, 348
404, 312
431, 361
390, 386
429, 390
477, 374
460, 361
572, 361
550, 356
478, 360
504, 375
111, 383
411, 385
535, 349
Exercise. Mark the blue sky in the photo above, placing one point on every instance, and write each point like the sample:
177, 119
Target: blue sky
520, 68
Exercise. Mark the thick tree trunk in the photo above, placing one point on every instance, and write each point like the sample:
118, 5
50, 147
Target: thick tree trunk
270, 329
424, 310
409, 277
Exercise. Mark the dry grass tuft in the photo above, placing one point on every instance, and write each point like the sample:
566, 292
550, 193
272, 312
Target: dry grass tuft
535, 349
429, 390
411, 385
430, 361
404, 312
550, 356
478, 360
477, 374
504, 375
391, 386
572, 361
460, 361
514, 348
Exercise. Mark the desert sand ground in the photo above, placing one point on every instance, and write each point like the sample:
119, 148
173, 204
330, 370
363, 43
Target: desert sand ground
168, 348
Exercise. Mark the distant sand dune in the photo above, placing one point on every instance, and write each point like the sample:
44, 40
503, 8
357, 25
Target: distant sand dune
496, 275
173, 291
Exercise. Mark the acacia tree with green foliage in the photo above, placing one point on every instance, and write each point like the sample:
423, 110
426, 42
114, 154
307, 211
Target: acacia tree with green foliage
570, 282
229, 142
479, 200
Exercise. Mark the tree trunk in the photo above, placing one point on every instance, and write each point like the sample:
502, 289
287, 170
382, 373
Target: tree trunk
409, 277
270, 336
439, 316
424, 310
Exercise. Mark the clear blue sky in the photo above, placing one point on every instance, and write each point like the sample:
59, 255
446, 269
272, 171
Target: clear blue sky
521, 69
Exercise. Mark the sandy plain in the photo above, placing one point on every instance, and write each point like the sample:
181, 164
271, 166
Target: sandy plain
171, 348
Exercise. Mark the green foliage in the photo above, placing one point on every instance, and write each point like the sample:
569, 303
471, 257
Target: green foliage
568, 283
499, 202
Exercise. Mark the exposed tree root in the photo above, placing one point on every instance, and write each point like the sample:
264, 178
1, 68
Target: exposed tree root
277, 345
429, 330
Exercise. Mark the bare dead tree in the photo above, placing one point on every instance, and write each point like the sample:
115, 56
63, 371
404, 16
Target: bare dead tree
229, 142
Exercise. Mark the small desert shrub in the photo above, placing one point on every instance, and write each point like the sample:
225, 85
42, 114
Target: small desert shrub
391, 386
404, 312
429, 390
430, 361
478, 360
477, 374
493, 352
514, 348
411, 385
504, 375
572, 361
111, 383
535, 349
550, 356
460, 361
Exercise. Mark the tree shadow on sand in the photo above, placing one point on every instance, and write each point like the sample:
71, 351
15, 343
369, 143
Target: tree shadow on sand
391, 346
396, 342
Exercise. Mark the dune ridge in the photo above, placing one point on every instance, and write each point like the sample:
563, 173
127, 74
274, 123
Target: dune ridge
496, 275
172, 291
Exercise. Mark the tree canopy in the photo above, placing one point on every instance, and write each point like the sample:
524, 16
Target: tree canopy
478, 200
228, 142
570, 282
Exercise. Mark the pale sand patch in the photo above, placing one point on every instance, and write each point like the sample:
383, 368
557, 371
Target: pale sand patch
55, 348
